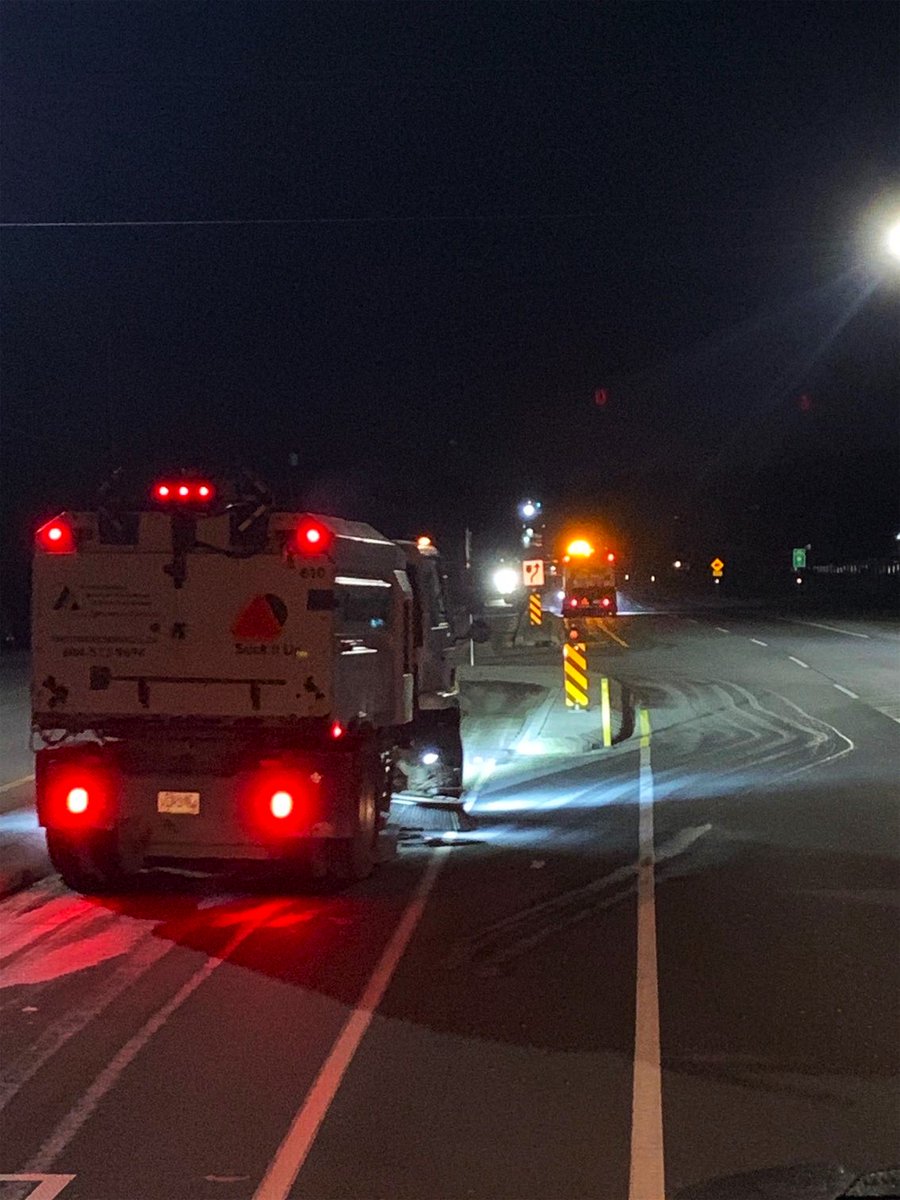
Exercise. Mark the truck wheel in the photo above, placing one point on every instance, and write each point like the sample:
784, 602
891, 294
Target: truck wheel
354, 858
87, 863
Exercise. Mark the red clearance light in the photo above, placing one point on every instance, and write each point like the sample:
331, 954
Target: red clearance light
313, 538
281, 804
184, 491
337, 730
573, 603
77, 800
56, 537
605, 602
610, 557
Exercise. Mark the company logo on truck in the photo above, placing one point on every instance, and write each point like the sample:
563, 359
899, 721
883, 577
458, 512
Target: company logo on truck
261, 620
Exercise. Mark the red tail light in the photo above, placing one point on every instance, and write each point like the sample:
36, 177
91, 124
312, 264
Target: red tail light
313, 537
573, 603
610, 558
281, 804
605, 601
76, 791
56, 537
77, 800
337, 730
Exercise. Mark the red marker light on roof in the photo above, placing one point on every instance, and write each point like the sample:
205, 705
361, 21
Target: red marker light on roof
204, 491
183, 491
56, 537
312, 537
162, 491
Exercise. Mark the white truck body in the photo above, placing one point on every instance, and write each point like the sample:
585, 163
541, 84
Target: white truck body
180, 682
273, 635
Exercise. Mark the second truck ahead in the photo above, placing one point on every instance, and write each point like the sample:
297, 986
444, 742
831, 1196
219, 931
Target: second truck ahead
216, 680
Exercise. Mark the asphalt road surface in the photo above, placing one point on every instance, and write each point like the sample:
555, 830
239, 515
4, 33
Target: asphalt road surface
644, 967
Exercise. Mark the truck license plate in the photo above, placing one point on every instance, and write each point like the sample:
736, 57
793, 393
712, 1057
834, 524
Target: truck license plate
178, 802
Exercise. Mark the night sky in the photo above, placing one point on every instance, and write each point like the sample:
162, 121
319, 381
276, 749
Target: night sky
492, 210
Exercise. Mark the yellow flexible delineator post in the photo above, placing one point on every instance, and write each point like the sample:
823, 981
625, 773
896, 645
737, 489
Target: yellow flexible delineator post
575, 674
605, 712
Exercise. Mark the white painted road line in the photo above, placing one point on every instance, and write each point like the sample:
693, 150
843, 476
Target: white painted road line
86, 1105
15, 783
830, 628
646, 1179
758, 642
846, 691
799, 662
299, 1139
49, 1186
721, 630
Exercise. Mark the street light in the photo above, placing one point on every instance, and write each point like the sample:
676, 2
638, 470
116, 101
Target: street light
529, 509
892, 240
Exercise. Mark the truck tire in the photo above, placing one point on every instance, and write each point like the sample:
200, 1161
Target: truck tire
88, 863
353, 859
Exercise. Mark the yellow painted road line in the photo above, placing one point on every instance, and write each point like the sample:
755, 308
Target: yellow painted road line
605, 712
615, 637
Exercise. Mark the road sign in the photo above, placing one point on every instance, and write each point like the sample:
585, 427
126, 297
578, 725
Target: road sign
798, 558
533, 572
535, 614
575, 676
717, 567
